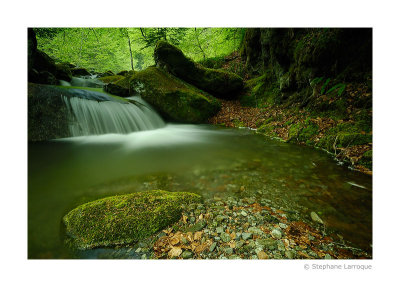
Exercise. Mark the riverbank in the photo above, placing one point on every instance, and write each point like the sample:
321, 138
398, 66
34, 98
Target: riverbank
300, 126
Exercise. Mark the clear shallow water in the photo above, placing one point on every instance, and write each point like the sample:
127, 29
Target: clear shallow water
204, 159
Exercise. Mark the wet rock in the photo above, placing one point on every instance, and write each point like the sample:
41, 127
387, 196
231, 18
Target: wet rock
187, 254
212, 247
256, 231
246, 235
262, 255
289, 254
219, 229
276, 234
225, 237
228, 250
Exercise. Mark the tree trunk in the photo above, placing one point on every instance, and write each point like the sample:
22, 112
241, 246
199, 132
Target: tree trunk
130, 49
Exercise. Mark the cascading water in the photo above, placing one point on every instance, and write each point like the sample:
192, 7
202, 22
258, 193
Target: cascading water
92, 117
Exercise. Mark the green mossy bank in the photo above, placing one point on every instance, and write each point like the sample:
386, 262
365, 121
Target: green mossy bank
124, 219
174, 99
217, 82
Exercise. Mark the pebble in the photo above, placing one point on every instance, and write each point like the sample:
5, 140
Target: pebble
276, 234
246, 235
219, 229
244, 213
289, 254
187, 254
256, 231
262, 255
229, 251
212, 247
283, 225
225, 237
327, 256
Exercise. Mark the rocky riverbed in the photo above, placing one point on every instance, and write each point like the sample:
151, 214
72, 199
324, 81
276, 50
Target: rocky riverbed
235, 228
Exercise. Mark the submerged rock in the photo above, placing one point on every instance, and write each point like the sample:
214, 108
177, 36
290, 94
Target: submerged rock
219, 83
174, 99
124, 219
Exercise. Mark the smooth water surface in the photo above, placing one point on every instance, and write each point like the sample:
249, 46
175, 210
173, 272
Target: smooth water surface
215, 162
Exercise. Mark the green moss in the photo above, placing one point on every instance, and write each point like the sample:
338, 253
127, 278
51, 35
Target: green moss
124, 219
111, 79
303, 132
261, 91
174, 99
366, 159
213, 63
218, 82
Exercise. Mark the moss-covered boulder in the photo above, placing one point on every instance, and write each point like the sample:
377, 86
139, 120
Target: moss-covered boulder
120, 87
217, 82
124, 219
174, 99
63, 72
78, 72
111, 79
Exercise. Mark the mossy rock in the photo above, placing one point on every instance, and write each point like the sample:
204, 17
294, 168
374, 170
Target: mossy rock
106, 74
174, 99
111, 79
124, 219
217, 82
80, 72
63, 72
120, 87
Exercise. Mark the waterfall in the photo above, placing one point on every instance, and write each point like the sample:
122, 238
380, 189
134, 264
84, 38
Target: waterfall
91, 117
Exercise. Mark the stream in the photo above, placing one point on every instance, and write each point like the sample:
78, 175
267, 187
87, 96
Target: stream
213, 161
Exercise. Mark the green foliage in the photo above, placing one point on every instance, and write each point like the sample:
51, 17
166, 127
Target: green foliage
102, 49
323, 88
316, 81
340, 87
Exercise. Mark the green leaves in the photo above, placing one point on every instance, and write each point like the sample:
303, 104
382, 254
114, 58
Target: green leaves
102, 49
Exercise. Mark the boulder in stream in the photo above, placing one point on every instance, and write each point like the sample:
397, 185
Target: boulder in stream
174, 99
124, 219
217, 82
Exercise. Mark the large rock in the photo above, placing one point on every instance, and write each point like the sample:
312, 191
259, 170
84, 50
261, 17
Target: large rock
47, 114
124, 219
219, 83
77, 72
173, 98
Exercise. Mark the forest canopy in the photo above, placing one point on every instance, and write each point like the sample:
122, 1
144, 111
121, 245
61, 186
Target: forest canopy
117, 49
